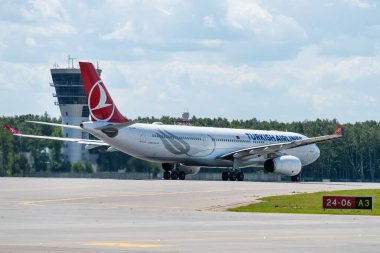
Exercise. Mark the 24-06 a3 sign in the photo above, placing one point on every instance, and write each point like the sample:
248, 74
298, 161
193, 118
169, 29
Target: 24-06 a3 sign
347, 202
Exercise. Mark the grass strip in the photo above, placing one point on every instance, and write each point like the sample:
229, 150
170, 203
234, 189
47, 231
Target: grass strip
310, 203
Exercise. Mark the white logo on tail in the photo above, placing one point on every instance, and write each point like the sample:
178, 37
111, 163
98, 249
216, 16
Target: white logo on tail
102, 103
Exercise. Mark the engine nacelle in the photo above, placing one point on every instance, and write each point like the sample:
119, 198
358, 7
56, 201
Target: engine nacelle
189, 169
286, 165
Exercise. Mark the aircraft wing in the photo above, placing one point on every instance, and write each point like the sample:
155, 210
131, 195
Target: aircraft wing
55, 124
79, 141
265, 150
109, 126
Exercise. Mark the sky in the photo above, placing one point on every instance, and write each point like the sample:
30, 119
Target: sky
278, 60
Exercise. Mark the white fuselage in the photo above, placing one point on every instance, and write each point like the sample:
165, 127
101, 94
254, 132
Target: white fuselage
197, 146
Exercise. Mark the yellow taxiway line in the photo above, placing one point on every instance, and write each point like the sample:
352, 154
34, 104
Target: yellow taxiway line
126, 245
41, 202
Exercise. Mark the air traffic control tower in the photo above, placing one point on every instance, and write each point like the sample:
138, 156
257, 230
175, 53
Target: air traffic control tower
72, 102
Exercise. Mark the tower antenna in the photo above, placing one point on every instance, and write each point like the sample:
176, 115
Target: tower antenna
72, 62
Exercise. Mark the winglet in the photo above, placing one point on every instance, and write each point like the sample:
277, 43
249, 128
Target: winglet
339, 130
10, 129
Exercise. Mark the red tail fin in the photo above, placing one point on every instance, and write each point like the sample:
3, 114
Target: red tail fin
100, 103
339, 130
10, 129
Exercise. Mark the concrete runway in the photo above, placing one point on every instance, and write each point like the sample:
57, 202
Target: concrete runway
92, 215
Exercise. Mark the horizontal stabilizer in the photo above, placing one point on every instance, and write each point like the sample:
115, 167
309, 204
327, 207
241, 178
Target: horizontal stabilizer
117, 126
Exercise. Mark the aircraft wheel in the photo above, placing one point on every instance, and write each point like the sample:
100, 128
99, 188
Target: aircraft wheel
240, 176
182, 175
225, 176
296, 178
167, 175
232, 176
174, 175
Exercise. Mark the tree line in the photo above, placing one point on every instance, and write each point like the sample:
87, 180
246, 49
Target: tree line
355, 157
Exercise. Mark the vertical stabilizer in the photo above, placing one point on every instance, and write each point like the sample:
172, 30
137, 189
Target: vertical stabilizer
100, 103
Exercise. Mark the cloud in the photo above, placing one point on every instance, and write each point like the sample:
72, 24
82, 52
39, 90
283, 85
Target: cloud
125, 31
24, 86
3, 46
16, 35
210, 43
317, 85
144, 21
356, 68
248, 15
328, 86
174, 84
49, 30
236, 59
38, 9
360, 4
208, 21
30, 42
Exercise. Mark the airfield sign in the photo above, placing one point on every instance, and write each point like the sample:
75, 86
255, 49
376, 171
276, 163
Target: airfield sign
347, 202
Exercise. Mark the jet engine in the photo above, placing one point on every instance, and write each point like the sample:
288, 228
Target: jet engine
286, 165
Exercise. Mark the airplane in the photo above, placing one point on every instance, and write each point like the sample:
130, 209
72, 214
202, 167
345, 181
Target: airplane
183, 150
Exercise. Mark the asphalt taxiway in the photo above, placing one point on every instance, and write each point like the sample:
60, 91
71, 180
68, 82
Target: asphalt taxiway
93, 215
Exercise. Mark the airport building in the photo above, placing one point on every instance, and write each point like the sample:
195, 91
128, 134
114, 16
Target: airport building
72, 102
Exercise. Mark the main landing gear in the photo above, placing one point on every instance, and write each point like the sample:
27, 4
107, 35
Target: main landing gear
171, 172
232, 175
174, 175
167, 175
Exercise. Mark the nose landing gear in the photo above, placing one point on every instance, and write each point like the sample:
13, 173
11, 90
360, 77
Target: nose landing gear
296, 178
